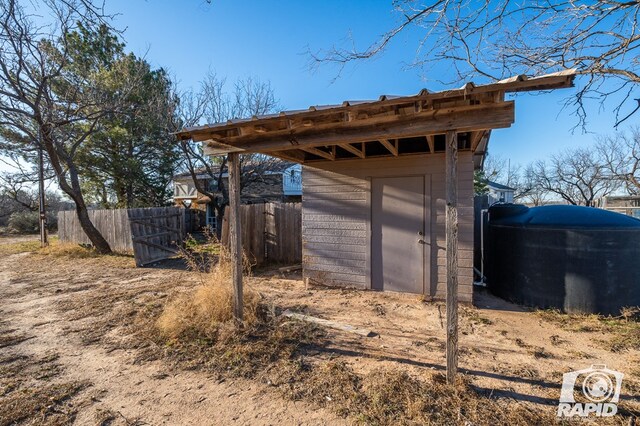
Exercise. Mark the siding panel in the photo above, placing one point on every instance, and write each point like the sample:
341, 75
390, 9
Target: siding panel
336, 213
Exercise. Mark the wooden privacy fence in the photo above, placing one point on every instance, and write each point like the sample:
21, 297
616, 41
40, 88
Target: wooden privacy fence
270, 232
112, 224
152, 234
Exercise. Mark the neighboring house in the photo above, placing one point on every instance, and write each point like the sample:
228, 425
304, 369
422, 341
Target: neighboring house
499, 193
283, 184
625, 204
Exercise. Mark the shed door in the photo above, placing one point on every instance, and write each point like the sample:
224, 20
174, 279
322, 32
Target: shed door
397, 228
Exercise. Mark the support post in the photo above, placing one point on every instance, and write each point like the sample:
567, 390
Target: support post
452, 255
235, 235
44, 240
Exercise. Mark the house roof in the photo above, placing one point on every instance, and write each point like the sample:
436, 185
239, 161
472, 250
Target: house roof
388, 126
496, 185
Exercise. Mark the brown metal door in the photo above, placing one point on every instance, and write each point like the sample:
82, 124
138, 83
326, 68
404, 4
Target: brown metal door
397, 234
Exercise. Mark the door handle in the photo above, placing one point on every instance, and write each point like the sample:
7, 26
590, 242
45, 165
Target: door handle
421, 241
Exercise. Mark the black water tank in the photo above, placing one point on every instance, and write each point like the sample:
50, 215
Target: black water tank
577, 259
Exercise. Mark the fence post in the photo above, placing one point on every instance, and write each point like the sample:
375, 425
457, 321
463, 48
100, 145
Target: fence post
235, 235
451, 155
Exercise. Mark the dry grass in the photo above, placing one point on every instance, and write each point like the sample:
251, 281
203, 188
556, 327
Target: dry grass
19, 247
47, 404
624, 329
201, 313
197, 328
393, 397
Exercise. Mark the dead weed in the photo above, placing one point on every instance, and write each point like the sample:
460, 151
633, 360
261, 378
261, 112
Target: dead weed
47, 404
390, 397
624, 329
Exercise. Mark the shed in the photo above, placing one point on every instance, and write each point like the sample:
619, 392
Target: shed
387, 186
374, 179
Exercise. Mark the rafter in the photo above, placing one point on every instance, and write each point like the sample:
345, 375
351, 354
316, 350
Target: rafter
476, 137
296, 156
391, 146
431, 143
315, 151
352, 149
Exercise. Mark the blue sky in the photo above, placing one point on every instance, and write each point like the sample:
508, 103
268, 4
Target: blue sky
269, 40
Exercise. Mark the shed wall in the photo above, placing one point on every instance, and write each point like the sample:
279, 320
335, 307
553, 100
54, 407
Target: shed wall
336, 217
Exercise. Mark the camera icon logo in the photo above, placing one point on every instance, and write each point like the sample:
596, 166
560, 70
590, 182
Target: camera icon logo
594, 390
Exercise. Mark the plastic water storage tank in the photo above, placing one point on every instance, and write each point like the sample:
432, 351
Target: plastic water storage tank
577, 259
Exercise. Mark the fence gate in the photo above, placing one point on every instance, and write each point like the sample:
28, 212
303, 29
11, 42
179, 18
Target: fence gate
156, 233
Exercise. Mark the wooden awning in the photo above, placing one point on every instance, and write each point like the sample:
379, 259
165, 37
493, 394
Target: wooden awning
389, 126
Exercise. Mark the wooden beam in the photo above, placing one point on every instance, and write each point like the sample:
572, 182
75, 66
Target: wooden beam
391, 146
235, 236
352, 149
431, 143
329, 323
295, 155
476, 137
212, 147
451, 154
470, 118
320, 153
281, 155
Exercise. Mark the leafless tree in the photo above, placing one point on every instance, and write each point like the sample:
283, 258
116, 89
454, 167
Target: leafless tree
621, 155
528, 188
44, 102
497, 39
213, 104
578, 176
500, 170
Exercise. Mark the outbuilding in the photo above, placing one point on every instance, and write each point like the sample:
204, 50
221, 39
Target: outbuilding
388, 189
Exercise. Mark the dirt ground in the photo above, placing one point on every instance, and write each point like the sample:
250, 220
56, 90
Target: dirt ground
65, 360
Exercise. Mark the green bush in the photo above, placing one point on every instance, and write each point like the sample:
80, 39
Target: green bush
26, 222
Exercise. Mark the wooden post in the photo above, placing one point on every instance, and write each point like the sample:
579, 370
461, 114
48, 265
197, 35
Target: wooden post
44, 239
452, 255
235, 234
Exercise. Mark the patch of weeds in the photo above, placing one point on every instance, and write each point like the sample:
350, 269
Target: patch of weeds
623, 331
557, 340
243, 352
541, 353
521, 343
578, 354
104, 417
392, 397
520, 370
431, 342
19, 247
474, 316
379, 310
48, 404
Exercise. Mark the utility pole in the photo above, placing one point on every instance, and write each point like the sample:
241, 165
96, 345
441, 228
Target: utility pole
44, 240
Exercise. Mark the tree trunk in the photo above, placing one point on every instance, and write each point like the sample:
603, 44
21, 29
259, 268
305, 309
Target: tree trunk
74, 191
101, 245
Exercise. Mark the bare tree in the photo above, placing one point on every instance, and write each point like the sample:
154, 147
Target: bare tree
213, 104
578, 176
497, 39
621, 155
48, 102
528, 188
